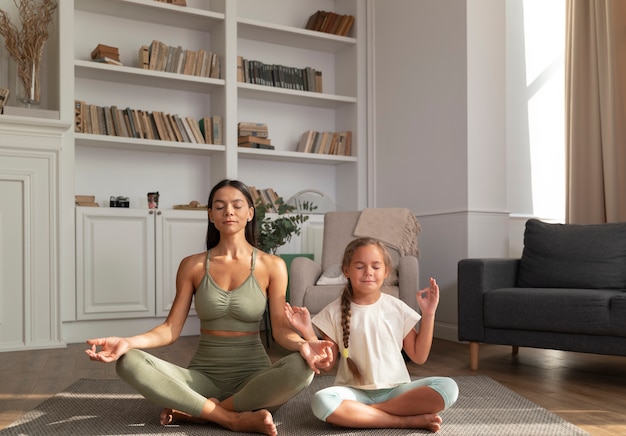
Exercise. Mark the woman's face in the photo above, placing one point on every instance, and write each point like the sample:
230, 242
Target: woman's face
229, 211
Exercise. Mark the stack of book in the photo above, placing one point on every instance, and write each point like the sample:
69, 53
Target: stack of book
106, 54
253, 135
265, 196
159, 56
334, 143
330, 22
85, 200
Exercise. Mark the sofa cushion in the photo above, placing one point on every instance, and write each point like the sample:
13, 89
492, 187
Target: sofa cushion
576, 311
591, 256
618, 315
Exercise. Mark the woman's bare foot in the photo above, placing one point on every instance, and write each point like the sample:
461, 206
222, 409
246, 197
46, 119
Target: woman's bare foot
260, 421
171, 416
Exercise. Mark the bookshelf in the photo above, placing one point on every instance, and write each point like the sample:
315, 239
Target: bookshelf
271, 31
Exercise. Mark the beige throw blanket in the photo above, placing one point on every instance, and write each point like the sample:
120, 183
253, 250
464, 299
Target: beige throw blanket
396, 227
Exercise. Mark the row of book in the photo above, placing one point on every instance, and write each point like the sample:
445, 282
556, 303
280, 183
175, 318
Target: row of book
334, 143
330, 22
265, 196
280, 76
135, 123
159, 56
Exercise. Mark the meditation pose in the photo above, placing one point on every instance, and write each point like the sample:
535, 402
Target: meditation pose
230, 380
369, 329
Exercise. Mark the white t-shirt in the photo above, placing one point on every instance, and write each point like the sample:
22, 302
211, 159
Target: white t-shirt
376, 334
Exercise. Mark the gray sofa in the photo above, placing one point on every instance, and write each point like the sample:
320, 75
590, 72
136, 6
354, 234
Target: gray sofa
567, 292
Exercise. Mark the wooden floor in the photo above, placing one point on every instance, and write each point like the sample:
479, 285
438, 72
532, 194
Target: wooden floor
584, 389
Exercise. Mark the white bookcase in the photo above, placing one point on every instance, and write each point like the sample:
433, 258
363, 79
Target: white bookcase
271, 31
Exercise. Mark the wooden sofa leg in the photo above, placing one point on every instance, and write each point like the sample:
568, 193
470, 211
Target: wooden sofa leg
515, 350
473, 346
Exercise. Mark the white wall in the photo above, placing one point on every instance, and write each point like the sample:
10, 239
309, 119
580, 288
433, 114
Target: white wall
438, 80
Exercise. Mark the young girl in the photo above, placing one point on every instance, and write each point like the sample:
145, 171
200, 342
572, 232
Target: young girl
370, 328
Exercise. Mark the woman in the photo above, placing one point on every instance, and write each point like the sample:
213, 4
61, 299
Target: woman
230, 379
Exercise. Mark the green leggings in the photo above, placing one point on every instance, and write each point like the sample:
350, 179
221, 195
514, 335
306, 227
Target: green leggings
221, 367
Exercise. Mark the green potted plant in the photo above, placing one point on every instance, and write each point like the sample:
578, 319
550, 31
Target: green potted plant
274, 232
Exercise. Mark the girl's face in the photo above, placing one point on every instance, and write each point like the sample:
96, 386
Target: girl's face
366, 271
230, 211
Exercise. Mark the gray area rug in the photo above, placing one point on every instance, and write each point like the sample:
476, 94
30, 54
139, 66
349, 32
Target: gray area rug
110, 407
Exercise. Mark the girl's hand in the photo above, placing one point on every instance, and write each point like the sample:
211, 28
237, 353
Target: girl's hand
428, 298
112, 349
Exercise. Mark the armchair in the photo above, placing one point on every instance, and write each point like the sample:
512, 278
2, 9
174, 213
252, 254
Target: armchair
339, 229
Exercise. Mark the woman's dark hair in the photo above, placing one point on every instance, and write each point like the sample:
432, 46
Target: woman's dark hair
212, 234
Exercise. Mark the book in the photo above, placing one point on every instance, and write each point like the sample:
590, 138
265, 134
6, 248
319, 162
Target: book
84, 198
306, 139
183, 128
318, 82
255, 145
103, 50
160, 126
240, 73
108, 120
195, 129
79, 123
153, 49
255, 139
144, 57
131, 122
206, 128
108, 60
216, 122
246, 125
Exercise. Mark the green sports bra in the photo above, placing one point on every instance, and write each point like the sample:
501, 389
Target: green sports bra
239, 310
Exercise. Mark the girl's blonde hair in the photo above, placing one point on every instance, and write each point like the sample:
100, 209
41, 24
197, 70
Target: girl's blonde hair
346, 296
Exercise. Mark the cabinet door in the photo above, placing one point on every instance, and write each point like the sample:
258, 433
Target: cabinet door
179, 233
115, 263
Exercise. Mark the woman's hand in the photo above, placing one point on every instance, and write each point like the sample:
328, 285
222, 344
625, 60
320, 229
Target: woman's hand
300, 319
318, 354
112, 348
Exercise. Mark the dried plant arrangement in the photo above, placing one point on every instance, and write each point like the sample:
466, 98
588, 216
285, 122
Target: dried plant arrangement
26, 45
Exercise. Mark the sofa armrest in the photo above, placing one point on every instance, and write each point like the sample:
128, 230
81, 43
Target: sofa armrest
303, 273
475, 277
409, 280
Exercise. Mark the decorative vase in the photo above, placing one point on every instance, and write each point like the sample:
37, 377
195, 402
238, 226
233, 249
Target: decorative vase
28, 74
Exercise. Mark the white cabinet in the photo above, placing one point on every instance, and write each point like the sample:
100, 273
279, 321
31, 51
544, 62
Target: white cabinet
30, 236
127, 259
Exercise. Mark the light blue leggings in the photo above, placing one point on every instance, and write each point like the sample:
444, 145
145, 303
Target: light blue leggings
326, 401
222, 367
